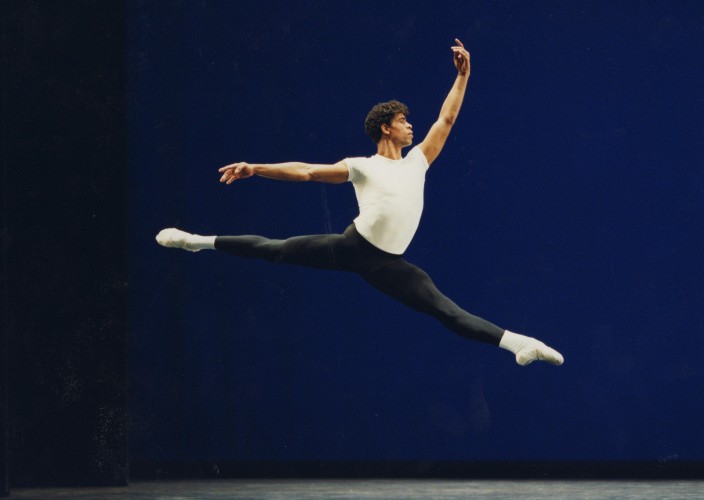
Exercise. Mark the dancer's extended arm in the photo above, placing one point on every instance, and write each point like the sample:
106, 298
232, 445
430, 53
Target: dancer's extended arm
435, 140
291, 171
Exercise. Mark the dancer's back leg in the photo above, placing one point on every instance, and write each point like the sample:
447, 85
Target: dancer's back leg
321, 251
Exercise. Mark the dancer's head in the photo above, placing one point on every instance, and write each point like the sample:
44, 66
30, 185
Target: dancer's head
383, 114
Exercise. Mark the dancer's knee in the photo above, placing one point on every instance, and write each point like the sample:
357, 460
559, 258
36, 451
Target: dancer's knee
272, 250
451, 315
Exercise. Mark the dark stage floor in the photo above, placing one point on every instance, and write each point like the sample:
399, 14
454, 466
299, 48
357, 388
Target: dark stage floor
378, 488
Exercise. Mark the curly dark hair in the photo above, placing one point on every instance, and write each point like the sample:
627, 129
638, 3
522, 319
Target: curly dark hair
381, 114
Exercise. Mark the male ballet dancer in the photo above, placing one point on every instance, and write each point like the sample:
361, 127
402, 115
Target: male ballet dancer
389, 189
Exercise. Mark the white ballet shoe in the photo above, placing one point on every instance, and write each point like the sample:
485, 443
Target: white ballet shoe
528, 349
175, 238
538, 352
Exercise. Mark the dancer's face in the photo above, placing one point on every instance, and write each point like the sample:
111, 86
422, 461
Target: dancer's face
400, 130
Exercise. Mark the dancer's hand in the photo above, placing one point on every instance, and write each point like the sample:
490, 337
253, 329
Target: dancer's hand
241, 170
461, 58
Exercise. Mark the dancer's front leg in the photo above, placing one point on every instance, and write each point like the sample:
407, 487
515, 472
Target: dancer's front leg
413, 287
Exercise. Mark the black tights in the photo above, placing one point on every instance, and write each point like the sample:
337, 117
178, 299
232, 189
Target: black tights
388, 273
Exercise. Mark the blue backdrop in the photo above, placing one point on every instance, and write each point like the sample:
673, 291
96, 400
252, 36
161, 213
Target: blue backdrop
567, 205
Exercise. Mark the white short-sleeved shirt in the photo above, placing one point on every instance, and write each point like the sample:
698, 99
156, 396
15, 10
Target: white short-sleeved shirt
390, 198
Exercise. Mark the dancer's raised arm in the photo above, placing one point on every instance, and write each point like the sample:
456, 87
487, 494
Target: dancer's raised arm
435, 140
292, 171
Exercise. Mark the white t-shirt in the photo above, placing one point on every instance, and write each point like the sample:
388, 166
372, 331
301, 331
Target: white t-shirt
390, 197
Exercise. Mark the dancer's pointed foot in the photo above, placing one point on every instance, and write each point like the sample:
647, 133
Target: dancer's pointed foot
175, 238
528, 349
538, 352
